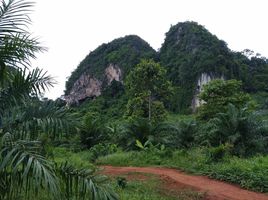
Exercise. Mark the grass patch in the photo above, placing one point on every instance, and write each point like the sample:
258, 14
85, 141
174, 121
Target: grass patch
78, 159
251, 173
152, 189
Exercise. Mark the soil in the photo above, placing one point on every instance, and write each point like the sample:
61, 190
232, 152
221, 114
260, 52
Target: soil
176, 180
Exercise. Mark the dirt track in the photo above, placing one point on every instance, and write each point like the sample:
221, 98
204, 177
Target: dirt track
215, 190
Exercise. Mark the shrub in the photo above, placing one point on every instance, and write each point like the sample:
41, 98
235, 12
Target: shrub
102, 150
241, 128
218, 93
93, 131
216, 154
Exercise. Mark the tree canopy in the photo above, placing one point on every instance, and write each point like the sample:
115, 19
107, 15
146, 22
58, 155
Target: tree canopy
218, 93
147, 87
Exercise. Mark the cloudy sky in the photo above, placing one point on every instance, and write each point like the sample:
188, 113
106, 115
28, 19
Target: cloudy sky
71, 29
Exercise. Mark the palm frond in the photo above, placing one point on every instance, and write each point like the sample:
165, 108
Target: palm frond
84, 184
24, 169
32, 118
17, 46
14, 16
17, 50
21, 83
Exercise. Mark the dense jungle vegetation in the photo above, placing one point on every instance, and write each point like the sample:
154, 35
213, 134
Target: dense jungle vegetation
50, 150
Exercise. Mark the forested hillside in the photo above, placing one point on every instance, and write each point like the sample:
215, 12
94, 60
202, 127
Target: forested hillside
128, 105
124, 52
189, 50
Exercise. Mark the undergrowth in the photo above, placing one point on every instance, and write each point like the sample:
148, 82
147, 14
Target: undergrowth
250, 173
151, 189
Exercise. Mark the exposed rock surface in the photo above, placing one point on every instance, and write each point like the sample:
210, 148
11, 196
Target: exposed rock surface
188, 53
113, 72
191, 55
204, 79
89, 86
108, 62
85, 86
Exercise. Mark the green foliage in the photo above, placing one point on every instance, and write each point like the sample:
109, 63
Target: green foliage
216, 154
125, 52
183, 135
217, 94
253, 70
102, 150
147, 87
142, 130
110, 106
78, 159
93, 130
32, 118
249, 173
121, 182
130, 131
261, 99
78, 177
84, 183
145, 190
138, 107
241, 128
17, 46
25, 171
152, 188
190, 50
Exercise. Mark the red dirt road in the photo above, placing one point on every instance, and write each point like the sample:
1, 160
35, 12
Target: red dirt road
215, 190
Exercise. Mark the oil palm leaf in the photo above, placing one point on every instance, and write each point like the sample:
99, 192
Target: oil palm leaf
84, 183
24, 169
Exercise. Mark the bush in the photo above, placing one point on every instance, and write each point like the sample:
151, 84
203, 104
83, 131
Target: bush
102, 150
241, 128
93, 131
143, 130
216, 154
218, 93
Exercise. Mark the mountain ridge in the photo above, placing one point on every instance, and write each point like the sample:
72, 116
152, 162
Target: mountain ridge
189, 52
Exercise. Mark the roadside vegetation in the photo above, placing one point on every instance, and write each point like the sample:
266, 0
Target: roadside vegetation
27, 123
50, 150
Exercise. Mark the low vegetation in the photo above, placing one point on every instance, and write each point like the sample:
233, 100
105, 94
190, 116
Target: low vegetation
49, 150
250, 173
152, 188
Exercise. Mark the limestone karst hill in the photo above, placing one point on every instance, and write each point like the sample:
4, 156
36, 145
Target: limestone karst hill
190, 53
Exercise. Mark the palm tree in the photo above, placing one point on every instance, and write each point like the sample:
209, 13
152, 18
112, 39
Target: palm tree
25, 172
143, 130
241, 128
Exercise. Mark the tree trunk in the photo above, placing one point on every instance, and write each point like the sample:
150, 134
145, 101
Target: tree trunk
150, 102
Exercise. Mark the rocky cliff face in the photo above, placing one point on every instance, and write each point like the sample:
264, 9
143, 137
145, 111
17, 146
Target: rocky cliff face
190, 53
113, 72
111, 61
203, 79
89, 86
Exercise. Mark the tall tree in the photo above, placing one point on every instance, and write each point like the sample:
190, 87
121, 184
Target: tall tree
147, 84
218, 93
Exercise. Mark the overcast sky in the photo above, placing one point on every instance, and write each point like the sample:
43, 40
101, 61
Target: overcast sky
71, 29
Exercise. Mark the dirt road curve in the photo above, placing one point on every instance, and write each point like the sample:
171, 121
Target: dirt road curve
216, 190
